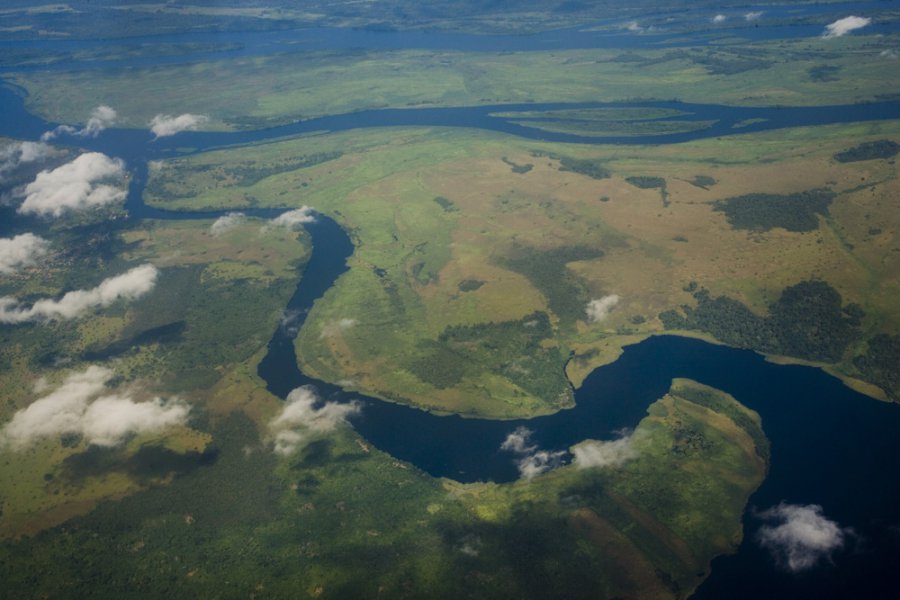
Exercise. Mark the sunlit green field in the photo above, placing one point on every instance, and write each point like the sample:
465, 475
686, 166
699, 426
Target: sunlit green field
259, 91
432, 255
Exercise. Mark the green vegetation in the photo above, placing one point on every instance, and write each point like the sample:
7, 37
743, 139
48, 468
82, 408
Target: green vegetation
547, 270
879, 363
523, 351
869, 151
517, 168
445, 203
648, 183
762, 212
807, 321
617, 128
824, 73
592, 168
339, 518
704, 182
168, 183
216, 302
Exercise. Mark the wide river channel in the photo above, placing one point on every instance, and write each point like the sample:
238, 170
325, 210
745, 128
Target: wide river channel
831, 446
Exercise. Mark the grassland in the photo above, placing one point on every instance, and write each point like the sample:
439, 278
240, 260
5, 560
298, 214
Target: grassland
217, 301
340, 518
423, 240
256, 91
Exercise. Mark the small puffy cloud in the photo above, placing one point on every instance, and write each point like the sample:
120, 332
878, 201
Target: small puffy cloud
719, 18
633, 26
292, 218
82, 405
18, 153
517, 441
613, 453
226, 223
531, 461
76, 185
101, 118
129, 286
304, 414
335, 327
166, 125
598, 309
753, 16
844, 26
539, 462
21, 251
799, 536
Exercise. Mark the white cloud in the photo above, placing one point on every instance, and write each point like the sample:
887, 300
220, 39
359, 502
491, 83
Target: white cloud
292, 218
130, 285
633, 26
719, 18
110, 418
300, 417
800, 535
753, 16
539, 462
336, 327
81, 406
76, 185
166, 125
21, 251
598, 309
844, 26
531, 462
613, 453
517, 441
17, 153
226, 223
102, 117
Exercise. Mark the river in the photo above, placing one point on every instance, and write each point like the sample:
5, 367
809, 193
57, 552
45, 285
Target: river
830, 445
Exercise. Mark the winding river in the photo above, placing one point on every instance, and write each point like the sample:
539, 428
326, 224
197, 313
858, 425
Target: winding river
830, 445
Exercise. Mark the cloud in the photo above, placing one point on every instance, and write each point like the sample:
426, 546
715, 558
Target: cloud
129, 286
531, 461
539, 462
301, 417
290, 321
21, 251
336, 327
517, 441
598, 309
76, 185
844, 26
292, 218
800, 536
753, 16
166, 125
633, 26
226, 223
102, 117
613, 453
18, 153
82, 405
719, 18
